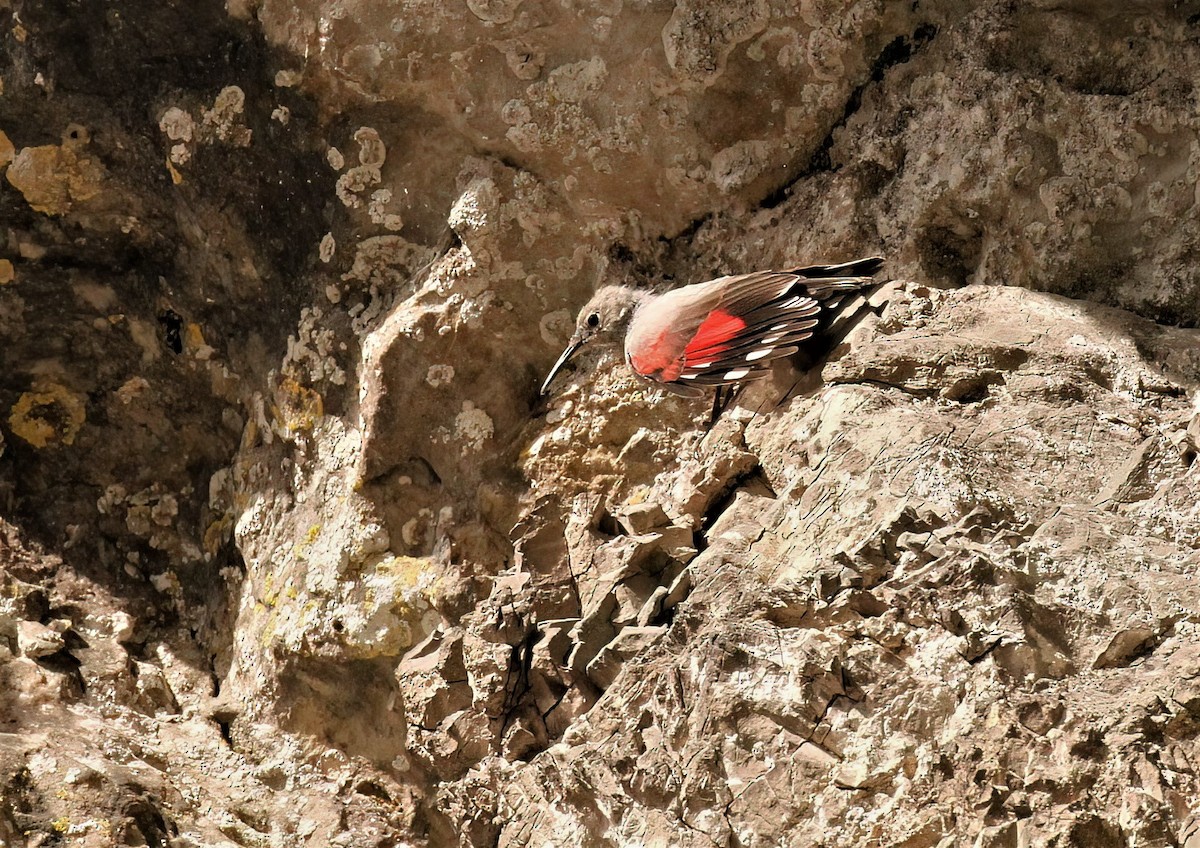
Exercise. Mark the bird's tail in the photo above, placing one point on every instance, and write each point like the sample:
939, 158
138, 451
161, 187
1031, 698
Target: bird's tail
828, 282
867, 267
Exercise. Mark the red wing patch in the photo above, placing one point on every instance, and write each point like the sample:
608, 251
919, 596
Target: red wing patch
714, 335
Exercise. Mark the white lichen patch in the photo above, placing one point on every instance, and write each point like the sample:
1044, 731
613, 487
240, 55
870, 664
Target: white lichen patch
413, 532
354, 182
473, 309
494, 11
114, 495
472, 427
439, 375
149, 513
371, 150
524, 60
327, 248
740, 164
560, 412
377, 209
132, 389
475, 208
312, 349
167, 582
223, 120
577, 81
389, 608
177, 124
371, 155
555, 327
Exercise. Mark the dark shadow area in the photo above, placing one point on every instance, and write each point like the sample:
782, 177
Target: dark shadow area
142, 317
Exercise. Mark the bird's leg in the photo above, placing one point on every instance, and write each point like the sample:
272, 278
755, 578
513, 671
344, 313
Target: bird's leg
717, 408
724, 396
735, 392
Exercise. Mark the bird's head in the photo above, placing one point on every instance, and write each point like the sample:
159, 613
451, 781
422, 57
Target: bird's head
604, 318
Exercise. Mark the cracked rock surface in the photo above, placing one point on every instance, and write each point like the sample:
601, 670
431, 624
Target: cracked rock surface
292, 554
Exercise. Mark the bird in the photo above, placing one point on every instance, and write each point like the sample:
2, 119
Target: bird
718, 333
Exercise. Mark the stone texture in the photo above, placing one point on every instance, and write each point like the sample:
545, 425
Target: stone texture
291, 553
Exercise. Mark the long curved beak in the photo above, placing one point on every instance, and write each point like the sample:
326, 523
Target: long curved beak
575, 345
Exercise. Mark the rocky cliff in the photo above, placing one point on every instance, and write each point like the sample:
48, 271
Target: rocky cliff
293, 554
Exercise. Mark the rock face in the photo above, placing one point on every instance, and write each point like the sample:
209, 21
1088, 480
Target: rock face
291, 553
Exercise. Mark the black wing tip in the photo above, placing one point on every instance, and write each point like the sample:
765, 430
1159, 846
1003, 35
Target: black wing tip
868, 266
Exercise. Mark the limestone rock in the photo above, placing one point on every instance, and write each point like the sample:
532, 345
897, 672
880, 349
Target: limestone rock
627, 644
293, 553
37, 640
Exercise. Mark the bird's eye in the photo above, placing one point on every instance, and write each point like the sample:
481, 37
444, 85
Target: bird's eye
593, 320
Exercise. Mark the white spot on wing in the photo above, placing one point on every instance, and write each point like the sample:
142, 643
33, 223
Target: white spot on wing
736, 374
759, 354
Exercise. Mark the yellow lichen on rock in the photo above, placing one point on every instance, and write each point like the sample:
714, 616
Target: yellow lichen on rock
194, 342
216, 534
54, 178
7, 151
297, 407
50, 414
393, 607
405, 571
